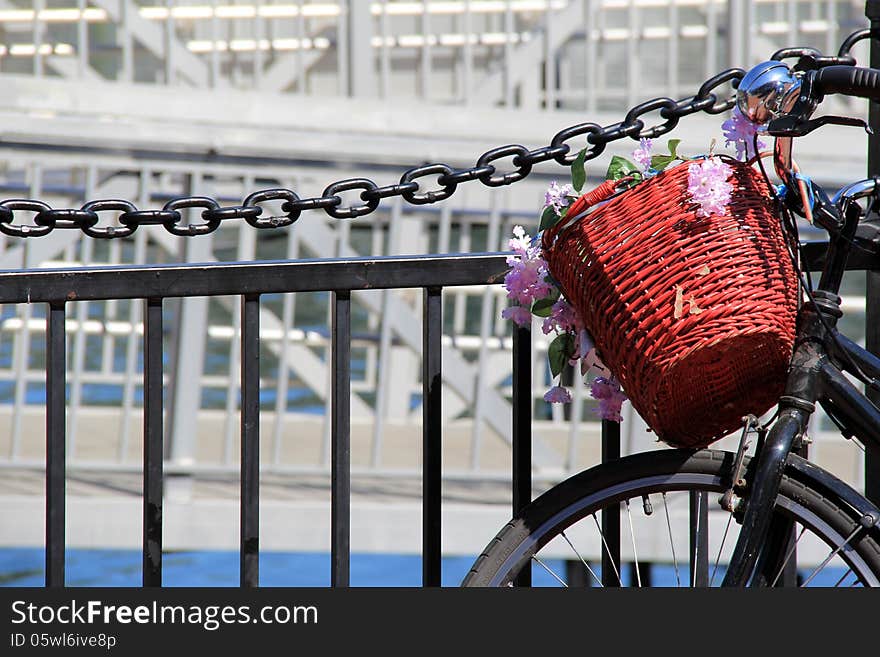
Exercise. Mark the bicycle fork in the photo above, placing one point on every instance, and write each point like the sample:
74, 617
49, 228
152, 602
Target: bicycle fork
795, 408
763, 490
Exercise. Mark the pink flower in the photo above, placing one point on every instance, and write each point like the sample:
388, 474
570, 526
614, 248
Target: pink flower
708, 186
740, 132
520, 243
520, 315
610, 397
557, 197
642, 155
557, 395
562, 318
526, 280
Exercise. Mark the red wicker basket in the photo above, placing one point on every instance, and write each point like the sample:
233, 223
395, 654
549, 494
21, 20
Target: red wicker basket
694, 315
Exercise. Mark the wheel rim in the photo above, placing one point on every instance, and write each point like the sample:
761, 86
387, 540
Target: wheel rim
814, 536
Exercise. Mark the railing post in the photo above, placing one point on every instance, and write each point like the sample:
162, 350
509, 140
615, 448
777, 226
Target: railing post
56, 372
340, 467
611, 515
522, 428
153, 443
432, 452
872, 291
249, 548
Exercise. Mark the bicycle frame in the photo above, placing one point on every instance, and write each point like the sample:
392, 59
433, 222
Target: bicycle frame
819, 358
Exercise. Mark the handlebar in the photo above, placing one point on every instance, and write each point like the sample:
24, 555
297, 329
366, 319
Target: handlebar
784, 100
847, 80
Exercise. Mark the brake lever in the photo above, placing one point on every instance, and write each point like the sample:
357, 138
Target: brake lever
792, 126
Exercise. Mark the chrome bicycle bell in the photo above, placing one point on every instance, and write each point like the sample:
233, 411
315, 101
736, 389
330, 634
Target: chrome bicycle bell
767, 91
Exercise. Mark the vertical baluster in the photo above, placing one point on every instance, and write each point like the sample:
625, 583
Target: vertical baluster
432, 329
611, 514
522, 428
153, 443
250, 442
55, 447
340, 467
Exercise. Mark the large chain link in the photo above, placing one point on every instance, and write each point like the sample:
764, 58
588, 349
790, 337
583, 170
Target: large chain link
429, 183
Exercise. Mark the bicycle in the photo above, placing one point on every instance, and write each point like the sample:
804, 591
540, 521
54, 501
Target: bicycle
784, 504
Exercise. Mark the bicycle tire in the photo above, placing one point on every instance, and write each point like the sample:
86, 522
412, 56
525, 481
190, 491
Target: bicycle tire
828, 514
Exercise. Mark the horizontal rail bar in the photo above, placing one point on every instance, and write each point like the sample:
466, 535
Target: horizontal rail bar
264, 277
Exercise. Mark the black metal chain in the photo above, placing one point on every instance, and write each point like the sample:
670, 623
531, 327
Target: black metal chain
411, 186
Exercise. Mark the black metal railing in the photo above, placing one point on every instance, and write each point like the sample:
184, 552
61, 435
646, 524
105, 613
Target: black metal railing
154, 284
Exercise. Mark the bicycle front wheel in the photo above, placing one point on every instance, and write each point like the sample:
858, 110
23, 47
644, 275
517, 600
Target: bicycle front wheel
659, 496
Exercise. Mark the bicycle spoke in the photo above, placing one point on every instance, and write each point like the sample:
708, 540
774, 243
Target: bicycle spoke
550, 570
583, 561
833, 554
788, 556
607, 549
699, 528
720, 549
671, 541
845, 575
632, 533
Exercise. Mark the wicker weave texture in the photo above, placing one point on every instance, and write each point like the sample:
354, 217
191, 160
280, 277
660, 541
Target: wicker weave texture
695, 315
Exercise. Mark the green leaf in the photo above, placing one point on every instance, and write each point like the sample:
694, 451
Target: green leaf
578, 171
549, 218
673, 144
660, 162
559, 352
543, 307
619, 168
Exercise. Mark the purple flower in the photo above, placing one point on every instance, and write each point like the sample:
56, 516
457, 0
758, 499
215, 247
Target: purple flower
557, 395
520, 315
557, 197
610, 397
708, 186
740, 132
562, 318
526, 280
642, 155
520, 243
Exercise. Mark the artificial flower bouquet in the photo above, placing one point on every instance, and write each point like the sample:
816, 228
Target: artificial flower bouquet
641, 276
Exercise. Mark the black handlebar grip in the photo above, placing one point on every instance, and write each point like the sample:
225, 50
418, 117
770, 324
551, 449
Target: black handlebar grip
849, 81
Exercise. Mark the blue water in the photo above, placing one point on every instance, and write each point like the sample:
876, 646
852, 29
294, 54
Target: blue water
24, 567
